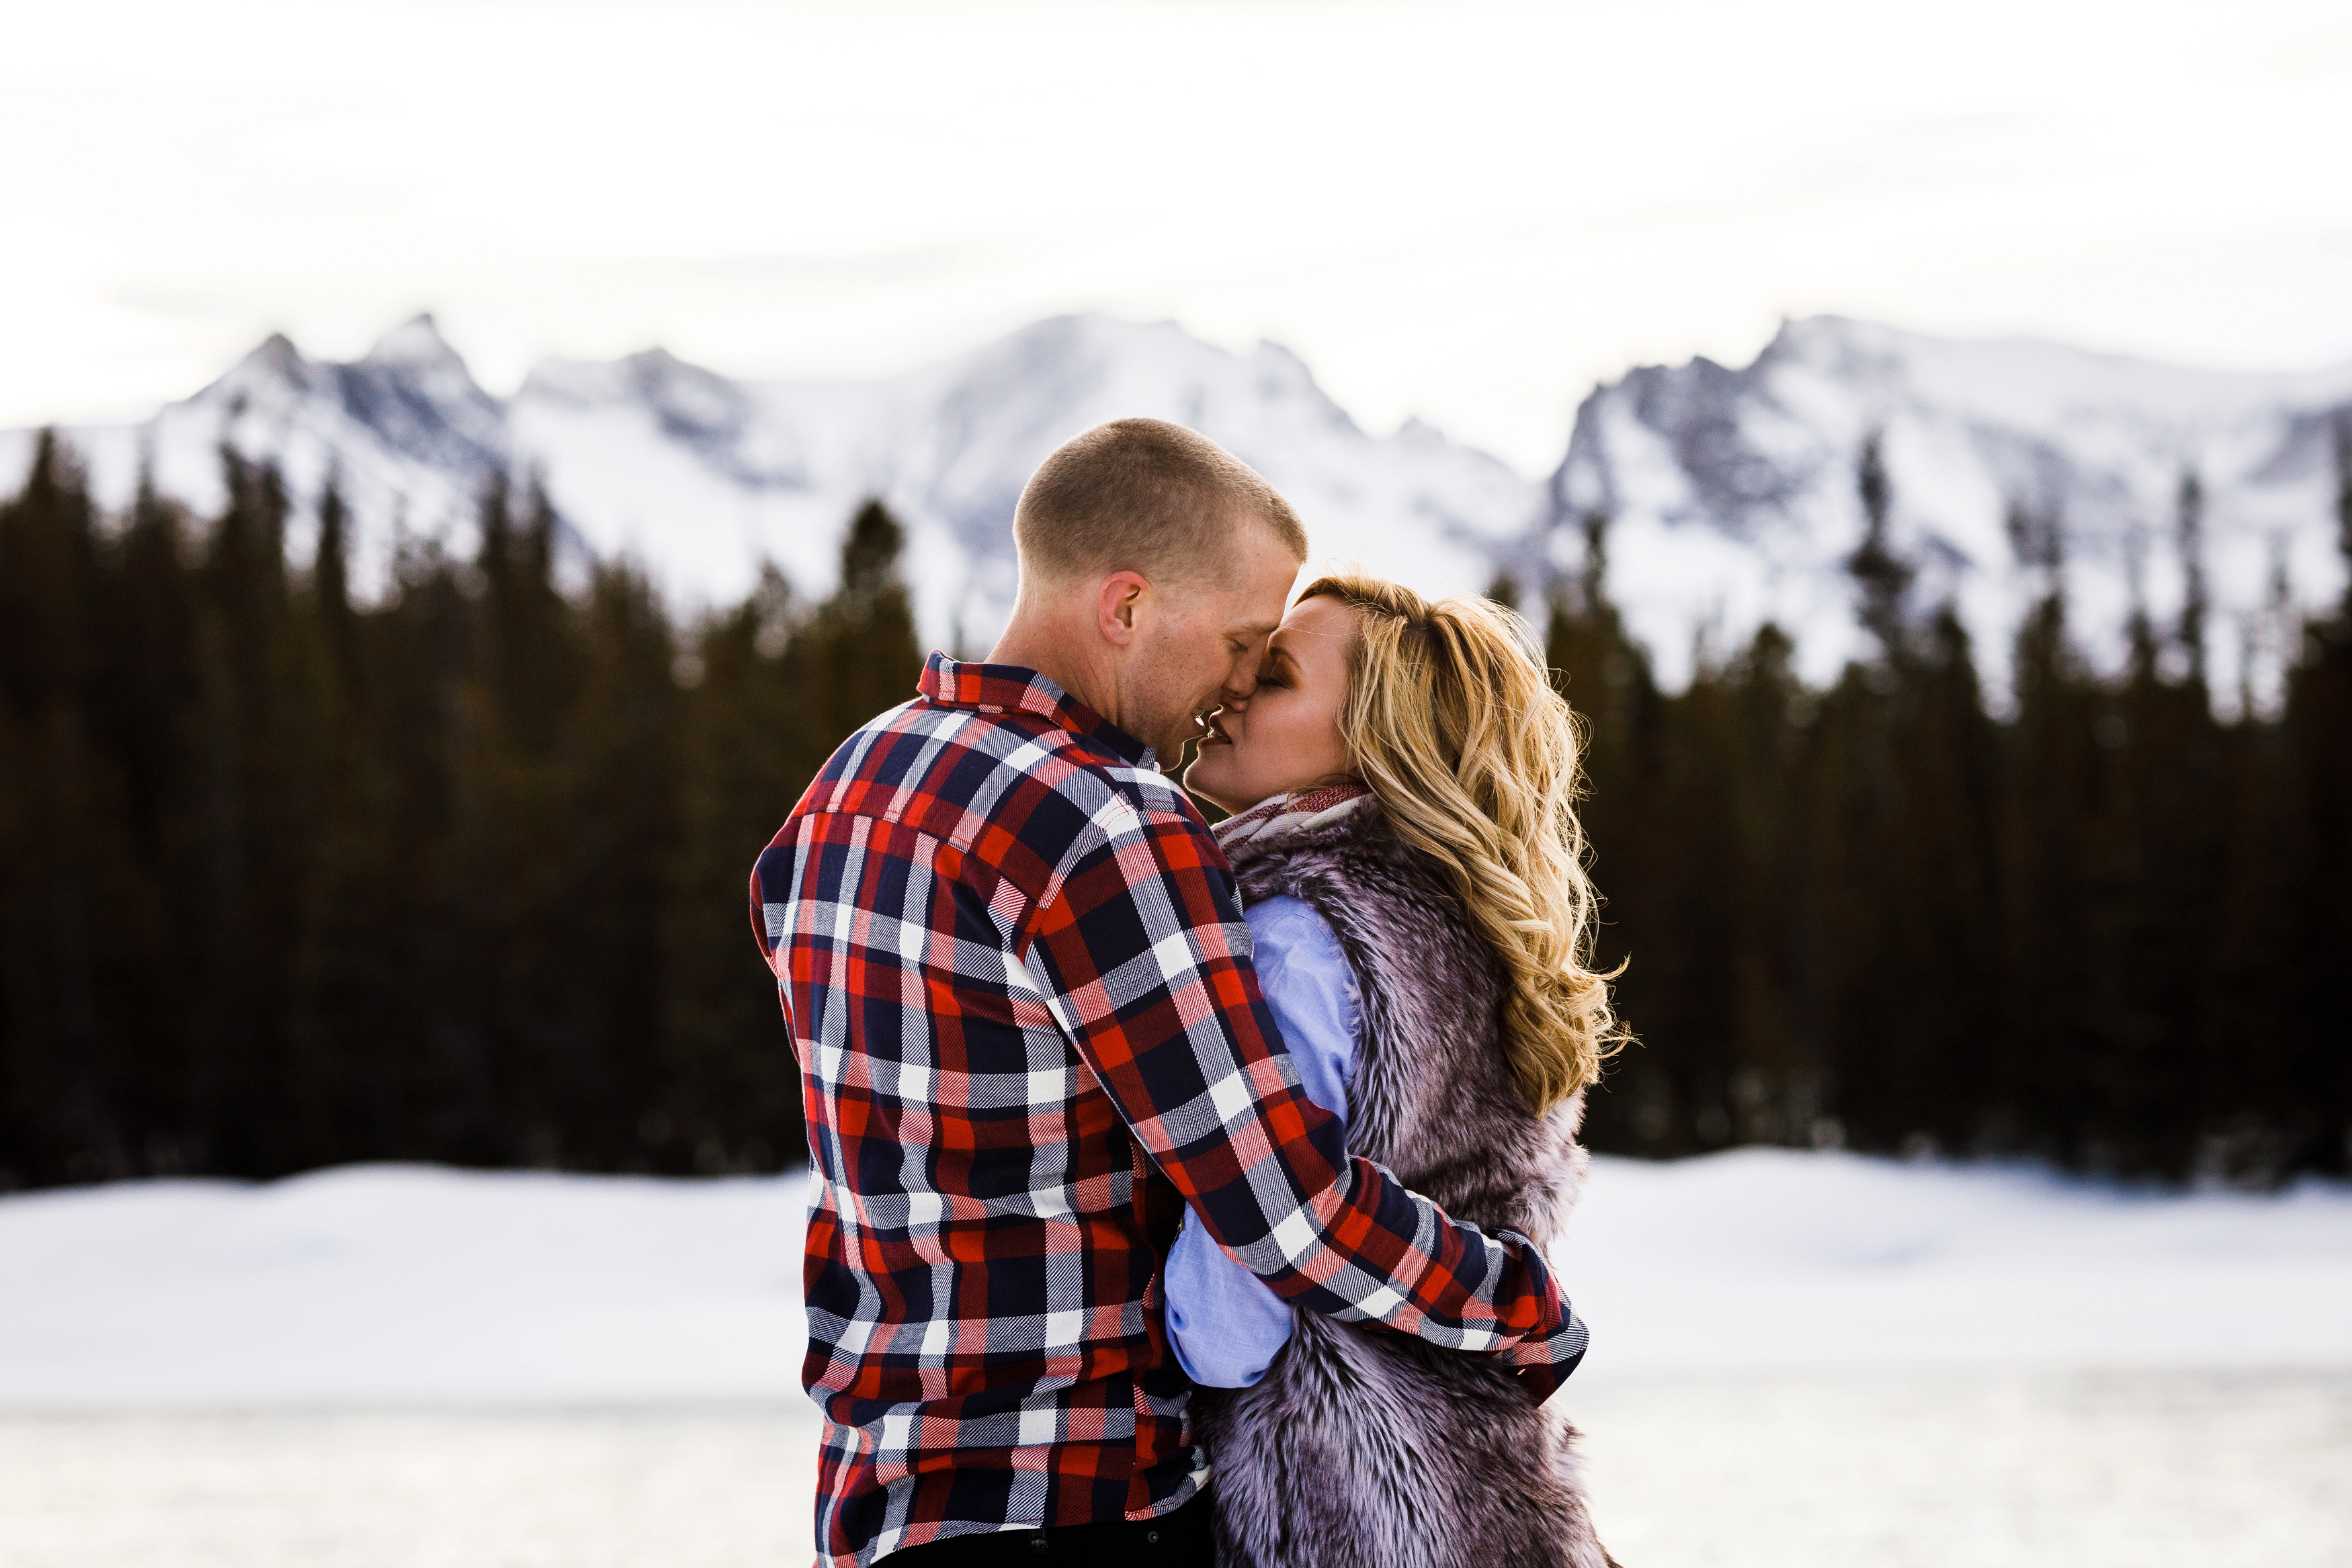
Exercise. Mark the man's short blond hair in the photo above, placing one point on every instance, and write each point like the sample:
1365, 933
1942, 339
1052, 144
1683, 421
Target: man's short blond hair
1146, 496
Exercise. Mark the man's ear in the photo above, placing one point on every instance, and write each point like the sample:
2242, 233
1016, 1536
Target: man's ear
1119, 609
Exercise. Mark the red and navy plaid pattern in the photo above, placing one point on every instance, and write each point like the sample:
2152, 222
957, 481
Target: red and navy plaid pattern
1020, 988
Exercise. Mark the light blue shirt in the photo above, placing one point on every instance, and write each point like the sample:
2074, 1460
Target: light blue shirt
1224, 1324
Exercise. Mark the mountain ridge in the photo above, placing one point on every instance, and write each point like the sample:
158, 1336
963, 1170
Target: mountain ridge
1732, 496
1730, 491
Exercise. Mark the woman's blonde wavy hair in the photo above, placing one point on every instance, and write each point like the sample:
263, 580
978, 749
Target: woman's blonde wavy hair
1454, 726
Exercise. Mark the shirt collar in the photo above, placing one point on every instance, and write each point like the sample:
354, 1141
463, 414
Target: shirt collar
1009, 688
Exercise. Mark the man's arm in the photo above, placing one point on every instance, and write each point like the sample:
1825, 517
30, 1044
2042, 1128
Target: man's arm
1140, 953
1225, 1324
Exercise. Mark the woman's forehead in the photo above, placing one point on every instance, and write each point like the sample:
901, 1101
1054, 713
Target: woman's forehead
1319, 615
1316, 630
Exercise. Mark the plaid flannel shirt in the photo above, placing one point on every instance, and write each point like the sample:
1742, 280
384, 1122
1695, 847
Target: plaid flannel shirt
1019, 986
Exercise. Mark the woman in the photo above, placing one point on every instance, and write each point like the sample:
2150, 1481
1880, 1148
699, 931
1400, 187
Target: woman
1402, 785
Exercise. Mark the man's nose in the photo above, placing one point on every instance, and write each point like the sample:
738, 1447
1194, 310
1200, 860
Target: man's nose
1241, 682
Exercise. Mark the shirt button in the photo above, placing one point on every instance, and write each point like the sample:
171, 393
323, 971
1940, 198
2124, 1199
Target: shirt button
1151, 1538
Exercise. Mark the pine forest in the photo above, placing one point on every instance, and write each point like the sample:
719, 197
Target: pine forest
456, 872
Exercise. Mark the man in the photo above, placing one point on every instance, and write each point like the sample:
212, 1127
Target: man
1029, 1032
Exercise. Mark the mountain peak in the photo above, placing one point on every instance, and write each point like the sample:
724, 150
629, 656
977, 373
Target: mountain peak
277, 353
418, 342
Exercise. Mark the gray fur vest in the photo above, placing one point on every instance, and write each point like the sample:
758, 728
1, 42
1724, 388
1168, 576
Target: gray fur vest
1361, 1449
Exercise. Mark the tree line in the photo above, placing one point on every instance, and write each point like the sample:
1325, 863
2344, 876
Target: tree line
457, 873
2105, 928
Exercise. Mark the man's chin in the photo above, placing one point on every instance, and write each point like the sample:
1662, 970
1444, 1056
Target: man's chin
1174, 746
1205, 772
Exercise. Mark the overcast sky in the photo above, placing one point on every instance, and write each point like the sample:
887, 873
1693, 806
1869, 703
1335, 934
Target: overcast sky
1468, 212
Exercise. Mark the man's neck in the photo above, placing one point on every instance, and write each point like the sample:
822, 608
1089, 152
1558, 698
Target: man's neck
1036, 643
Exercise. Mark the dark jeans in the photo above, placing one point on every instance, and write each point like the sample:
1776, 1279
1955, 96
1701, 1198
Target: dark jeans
1178, 1540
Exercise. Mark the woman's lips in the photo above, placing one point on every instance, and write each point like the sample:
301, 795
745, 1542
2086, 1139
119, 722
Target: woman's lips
1213, 732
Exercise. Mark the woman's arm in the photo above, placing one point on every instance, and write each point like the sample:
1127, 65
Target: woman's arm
1226, 1326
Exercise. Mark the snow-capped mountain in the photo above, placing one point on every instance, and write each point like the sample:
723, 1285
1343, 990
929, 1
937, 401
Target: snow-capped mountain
703, 478
412, 437
1732, 494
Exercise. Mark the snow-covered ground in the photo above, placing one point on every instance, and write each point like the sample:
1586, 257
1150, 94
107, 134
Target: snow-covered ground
403, 1285
400, 1284
1787, 1261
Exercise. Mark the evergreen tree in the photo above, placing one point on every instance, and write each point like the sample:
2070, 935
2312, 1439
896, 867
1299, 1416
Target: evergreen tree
61, 1065
1644, 1106
863, 652
2050, 800
2342, 443
1883, 576
2317, 734
2156, 874
257, 823
1900, 861
730, 1082
148, 721
601, 1049
330, 592
419, 981
341, 1051
2189, 532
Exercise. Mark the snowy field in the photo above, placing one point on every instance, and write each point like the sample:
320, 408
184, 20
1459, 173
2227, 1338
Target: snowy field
1797, 1357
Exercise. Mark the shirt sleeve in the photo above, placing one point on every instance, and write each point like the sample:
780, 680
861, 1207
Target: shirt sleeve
1139, 952
1226, 1325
